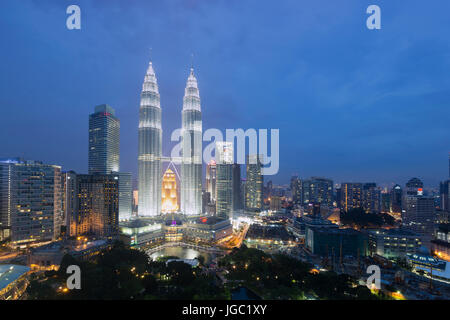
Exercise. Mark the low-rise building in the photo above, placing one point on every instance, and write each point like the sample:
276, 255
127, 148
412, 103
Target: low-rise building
266, 236
335, 242
393, 243
208, 229
433, 267
440, 245
300, 224
141, 233
13, 281
49, 256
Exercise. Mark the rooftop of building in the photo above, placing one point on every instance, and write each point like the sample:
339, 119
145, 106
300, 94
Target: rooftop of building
50, 247
441, 243
395, 232
89, 245
425, 259
59, 246
209, 220
136, 223
11, 160
105, 109
314, 220
347, 231
257, 231
444, 227
10, 273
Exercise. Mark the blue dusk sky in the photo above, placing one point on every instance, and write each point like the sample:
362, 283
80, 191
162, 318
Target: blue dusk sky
351, 104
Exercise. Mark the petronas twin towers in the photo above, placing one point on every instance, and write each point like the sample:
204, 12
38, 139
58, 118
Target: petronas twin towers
150, 148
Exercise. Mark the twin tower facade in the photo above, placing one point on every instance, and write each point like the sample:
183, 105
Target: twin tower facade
150, 149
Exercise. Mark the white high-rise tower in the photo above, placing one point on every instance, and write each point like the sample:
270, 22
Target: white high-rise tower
191, 135
150, 140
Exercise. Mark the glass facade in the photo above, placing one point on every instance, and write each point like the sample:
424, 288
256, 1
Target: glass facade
254, 184
150, 149
36, 202
125, 195
191, 135
104, 140
98, 206
318, 190
224, 187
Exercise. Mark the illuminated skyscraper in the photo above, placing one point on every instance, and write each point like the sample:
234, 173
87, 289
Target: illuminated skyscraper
444, 188
419, 216
224, 187
236, 186
191, 135
150, 140
97, 209
254, 184
318, 190
414, 187
6, 195
211, 179
297, 190
351, 195
104, 140
34, 204
169, 201
69, 198
396, 199
371, 198
125, 195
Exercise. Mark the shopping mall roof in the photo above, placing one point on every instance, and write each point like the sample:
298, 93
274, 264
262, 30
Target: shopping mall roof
10, 273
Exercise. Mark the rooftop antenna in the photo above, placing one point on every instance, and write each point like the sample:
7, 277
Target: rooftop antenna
192, 61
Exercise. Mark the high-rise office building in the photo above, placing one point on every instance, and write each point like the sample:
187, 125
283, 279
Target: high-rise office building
268, 190
275, 203
396, 199
224, 186
69, 198
6, 205
444, 194
297, 190
98, 206
414, 187
125, 195
150, 149
236, 186
206, 200
255, 182
35, 203
385, 202
371, 198
211, 179
318, 190
338, 196
419, 216
418, 212
351, 196
104, 140
191, 142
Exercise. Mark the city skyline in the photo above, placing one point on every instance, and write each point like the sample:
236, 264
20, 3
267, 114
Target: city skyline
398, 139
193, 150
